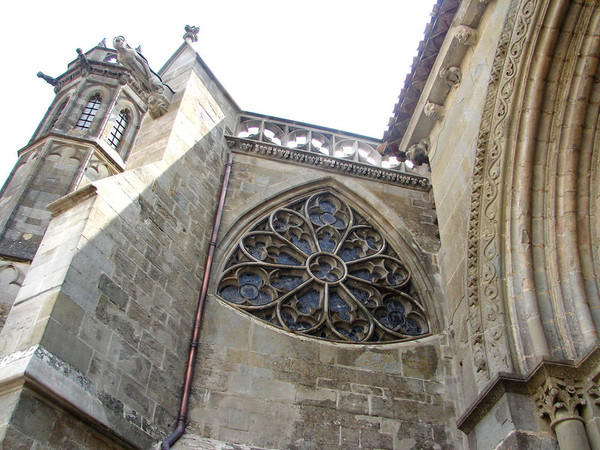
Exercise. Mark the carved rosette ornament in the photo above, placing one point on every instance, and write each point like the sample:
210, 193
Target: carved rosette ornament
316, 267
559, 400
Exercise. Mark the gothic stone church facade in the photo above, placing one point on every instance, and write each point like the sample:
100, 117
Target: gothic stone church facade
438, 288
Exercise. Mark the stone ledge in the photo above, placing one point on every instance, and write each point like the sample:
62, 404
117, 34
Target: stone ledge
66, 202
59, 384
504, 383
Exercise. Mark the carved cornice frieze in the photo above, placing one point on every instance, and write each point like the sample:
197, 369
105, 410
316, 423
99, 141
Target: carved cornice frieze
330, 163
101, 69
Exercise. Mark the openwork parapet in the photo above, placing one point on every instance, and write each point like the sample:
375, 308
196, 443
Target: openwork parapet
316, 267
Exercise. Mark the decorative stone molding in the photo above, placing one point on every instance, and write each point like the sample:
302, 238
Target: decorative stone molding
419, 153
465, 35
559, 400
434, 111
328, 163
484, 292
451, 75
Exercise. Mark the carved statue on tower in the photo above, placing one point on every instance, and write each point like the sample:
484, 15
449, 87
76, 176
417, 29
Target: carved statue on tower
159, 94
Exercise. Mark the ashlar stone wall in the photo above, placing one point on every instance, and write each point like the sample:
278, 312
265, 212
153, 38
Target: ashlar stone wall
257, 385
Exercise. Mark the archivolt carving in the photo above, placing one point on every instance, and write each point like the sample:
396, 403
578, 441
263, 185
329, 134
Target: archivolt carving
316, 267
486, 313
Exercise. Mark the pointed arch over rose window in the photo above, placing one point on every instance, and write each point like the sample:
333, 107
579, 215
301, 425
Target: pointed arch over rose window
316, 267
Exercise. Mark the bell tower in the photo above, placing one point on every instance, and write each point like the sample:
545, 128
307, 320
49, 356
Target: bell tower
86, 134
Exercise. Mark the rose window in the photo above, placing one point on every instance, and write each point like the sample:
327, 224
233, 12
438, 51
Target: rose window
317, 268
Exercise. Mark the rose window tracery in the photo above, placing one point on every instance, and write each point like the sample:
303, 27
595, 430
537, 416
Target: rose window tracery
316, 267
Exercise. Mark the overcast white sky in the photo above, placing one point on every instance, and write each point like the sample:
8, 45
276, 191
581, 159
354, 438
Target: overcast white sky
336, 63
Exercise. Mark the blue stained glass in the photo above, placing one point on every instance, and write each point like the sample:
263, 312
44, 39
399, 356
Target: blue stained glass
412, 328
355, 333
316, 219
285, 258
339, 224
351, 253
395, 315
231, 294
292, 324
337, 304
372, 242
287, 282
327, 206
299, 283
363, 274
324, 273
262, 299
326, 243
308, 301
302, 244
250, 278
249, 291
328, 218
256, 251
361, 295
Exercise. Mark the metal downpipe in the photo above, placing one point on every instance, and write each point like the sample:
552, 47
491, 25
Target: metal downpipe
189, 371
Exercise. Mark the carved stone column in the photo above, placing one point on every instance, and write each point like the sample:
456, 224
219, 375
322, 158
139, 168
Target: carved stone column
559, 401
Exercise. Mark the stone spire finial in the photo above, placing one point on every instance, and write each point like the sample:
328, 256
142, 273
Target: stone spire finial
191, 34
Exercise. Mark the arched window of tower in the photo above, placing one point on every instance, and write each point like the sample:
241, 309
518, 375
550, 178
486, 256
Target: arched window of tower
89, 112
119, 127
58, 113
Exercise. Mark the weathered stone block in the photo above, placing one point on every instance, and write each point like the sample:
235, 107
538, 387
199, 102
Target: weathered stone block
421, 362
353, 403
132, 395
113, 291
128, 359
66, 345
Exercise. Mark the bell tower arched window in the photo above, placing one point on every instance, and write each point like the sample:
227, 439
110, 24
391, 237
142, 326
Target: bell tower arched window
119, 128
58, 113
89, 112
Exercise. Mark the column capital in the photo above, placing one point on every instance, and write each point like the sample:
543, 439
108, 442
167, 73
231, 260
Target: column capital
559, 399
